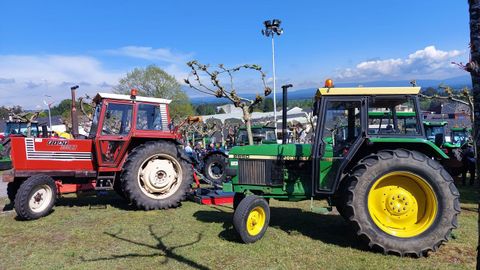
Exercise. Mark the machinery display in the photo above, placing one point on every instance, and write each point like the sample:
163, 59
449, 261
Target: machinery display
452, 143
131, 149
215, 161
386, 180
15, 128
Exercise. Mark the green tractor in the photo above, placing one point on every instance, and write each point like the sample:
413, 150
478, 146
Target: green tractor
452, 145
261, 135
434, 131
458, 137
385, 179
14, 128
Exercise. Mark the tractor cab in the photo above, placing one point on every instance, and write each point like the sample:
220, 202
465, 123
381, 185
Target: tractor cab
459, 136
435, 132
261, 135
118, 119
350, 119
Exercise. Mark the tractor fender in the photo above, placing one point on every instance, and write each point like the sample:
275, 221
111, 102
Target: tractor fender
215, 152
418, 144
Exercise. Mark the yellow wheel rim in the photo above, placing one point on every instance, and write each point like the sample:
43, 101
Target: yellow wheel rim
256, 221
402, 204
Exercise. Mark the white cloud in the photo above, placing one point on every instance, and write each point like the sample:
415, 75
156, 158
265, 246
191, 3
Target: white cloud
426, 63
26, 79
149, 53
33, 76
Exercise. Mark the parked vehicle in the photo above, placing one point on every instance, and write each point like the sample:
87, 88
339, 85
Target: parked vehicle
131, 149
388, 183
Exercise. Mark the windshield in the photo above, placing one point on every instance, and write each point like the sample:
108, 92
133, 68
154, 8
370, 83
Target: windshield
459, 137
432, 131
96, 115
259, 135
21, 129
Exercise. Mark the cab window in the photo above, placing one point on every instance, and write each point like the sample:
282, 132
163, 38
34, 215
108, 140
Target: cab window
149, 117
392, 116
118, 119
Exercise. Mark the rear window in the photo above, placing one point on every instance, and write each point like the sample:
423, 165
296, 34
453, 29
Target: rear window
392, 116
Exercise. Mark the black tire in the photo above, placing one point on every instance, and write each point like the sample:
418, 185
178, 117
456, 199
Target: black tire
431, 173
237, 198
241, 217
117, 187
215, 168
340, 198
41, 187
12, 189
150, 198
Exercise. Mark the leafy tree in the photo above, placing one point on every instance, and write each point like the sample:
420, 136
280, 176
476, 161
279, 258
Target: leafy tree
152, 81
62, 107
268, 105
205, 109
221, 111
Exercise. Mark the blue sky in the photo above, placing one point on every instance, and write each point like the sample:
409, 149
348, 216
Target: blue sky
46, 46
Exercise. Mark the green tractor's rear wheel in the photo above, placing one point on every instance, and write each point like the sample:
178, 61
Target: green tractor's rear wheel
401, 202
251, 218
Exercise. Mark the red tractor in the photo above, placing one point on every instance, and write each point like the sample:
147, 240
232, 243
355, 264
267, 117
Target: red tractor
131, 148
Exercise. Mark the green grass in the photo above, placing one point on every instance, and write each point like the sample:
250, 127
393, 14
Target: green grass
83, 234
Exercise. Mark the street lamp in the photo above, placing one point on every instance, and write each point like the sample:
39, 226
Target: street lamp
49, 105
273, 28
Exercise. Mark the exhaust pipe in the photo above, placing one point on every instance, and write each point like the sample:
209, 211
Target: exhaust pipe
284, 113
74, 113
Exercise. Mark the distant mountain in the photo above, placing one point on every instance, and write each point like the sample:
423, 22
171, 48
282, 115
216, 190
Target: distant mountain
455, 82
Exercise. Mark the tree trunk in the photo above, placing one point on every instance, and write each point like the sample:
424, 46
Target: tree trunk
248, 124
474, 10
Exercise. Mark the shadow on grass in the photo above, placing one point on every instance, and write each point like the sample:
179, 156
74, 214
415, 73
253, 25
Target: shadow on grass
469, 194
160, 250
96, 201
331, 229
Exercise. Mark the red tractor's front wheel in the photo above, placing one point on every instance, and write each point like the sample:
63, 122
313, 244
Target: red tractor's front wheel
35, 197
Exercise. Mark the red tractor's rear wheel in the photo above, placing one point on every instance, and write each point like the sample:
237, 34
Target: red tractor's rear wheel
155, 176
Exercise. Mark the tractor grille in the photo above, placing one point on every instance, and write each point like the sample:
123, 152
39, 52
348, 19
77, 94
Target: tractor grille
259, 172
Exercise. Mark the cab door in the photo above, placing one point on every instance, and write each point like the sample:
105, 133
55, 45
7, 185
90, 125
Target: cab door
114, 132
340, 131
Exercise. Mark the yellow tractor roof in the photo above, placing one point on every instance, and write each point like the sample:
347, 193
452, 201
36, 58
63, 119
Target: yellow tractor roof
367, 91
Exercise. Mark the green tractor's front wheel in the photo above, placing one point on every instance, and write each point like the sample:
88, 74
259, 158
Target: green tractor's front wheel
251, 218
401, 202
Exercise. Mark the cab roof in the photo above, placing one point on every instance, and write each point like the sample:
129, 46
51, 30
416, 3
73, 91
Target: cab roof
128, 97
367, 91
435, 124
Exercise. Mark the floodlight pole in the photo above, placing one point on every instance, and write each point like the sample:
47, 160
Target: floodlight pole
272, 28
274, 87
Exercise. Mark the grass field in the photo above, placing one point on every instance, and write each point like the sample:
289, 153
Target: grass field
106, 233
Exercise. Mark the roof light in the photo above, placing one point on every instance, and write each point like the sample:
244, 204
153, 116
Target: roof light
328, 83
133, 92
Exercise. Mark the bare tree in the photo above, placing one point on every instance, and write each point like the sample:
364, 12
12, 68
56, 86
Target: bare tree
219, 89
